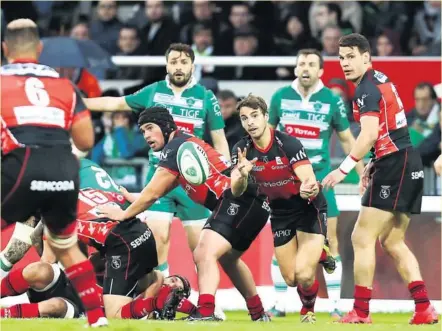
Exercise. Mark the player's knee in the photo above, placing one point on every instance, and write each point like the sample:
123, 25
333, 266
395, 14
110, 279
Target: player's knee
38, 275
360, 240
202, 254
54, 307
393, 248
289, 278
305, 274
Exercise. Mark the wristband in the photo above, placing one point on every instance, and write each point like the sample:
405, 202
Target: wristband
348, 164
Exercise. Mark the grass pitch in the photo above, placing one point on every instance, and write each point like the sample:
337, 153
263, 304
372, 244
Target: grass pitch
236, 321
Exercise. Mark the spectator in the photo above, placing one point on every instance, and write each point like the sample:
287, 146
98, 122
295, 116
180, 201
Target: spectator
246, 43
240, 15
330, 40
203, 12
323, 14
233, 128
426, 28
80, 31
129, 44
425, 116
122, 141
106, 27
202, 46
388, 44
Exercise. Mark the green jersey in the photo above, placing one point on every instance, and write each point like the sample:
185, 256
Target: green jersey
312, 119
193, 109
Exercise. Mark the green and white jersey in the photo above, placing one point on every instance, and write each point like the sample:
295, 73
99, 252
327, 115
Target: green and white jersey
312, 119
95, 177
193, 109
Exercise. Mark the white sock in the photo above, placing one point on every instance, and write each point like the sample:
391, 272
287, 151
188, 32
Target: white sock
279, 285
333, 282
5, 266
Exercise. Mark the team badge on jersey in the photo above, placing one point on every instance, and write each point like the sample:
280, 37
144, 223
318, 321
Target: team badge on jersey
233, 209
385, 191
116, 262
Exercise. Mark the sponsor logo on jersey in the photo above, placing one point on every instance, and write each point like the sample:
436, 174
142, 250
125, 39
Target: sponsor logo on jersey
164, 154
53, 186
278, 183
417, 174
186, 127
380, 76
141, 239
302, 131
361, 101
282, 233
258, 168
301, 155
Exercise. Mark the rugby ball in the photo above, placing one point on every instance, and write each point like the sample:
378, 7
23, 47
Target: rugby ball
193, 163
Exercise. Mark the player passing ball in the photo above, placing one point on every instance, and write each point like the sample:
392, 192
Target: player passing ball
392, 182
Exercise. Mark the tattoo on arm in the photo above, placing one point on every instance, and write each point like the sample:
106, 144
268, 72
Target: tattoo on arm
16, 250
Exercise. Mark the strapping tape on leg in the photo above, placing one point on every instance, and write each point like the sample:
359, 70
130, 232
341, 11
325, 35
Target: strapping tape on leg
58, 242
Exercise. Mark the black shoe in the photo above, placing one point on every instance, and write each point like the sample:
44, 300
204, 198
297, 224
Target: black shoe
196, 316
330, 263
170, 305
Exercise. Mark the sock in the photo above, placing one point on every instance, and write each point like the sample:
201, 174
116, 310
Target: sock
362, 300
186, 307
14, 283
323, 256
164, 268
308, 297
82, 277
5, 266
26, 310
333, 282
138, 308
254, 305
279, 285
419, 293
206, 305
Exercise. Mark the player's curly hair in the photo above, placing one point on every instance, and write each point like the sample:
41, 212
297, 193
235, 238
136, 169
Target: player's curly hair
253, 102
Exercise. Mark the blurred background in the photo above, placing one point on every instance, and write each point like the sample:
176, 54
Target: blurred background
111, 36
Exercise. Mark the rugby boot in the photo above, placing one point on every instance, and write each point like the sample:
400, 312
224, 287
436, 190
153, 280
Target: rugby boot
265, 317
329, 263
273, 312
336, 315
197, 317
353, 317
309, 317
428, 316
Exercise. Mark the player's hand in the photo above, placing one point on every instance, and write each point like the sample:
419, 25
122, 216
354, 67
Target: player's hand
111, 211
128, 196
245, 166
438, 165
333, 178
309, 189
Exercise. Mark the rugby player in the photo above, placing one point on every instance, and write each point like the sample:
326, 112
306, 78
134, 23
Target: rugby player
229, 231
279, 165
42, 110
393, 182
310, 112
193, 108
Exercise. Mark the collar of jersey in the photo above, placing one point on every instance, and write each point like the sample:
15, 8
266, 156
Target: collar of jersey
24, 60
189, 85
317, 89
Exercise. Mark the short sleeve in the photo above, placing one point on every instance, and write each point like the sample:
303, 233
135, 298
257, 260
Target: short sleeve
339, 116
168, 157
141, 99
367, 98
80, 110
274, 110
214, 118
294, 151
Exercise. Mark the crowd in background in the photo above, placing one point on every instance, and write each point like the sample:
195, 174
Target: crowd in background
239, 28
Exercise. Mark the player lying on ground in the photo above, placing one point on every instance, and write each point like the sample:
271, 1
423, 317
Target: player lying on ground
42, 110
229, 231
279, 166
393, 182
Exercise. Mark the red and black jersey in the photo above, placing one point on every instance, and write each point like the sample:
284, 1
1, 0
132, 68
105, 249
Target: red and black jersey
273, 171
377, 96
38, 106
91, 228
208, 193
9, 143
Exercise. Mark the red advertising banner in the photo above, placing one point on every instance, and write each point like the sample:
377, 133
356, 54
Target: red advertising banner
405, 73
423, 237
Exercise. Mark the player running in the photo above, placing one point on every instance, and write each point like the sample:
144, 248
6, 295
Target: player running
393, 182
279, 165
310, 112
230, 229
193, 108
42, 111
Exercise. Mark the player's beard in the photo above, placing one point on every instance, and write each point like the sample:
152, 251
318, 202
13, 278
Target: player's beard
182, 82
306, 84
